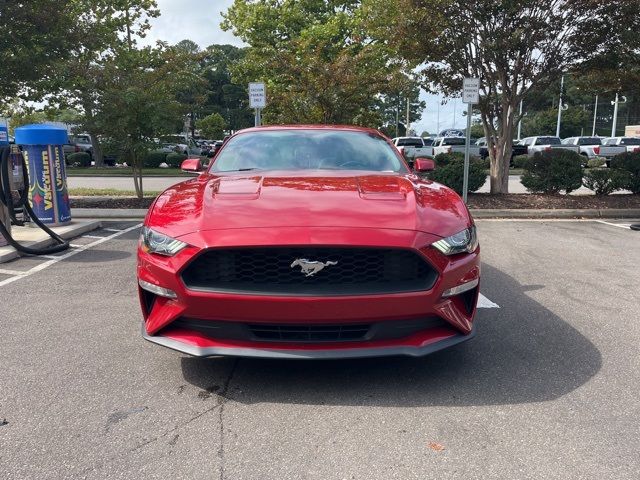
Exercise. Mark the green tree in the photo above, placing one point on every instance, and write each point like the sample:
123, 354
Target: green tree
34, 36
212, 126
106, 28
225, 97
511, 45
141, 94
319, 64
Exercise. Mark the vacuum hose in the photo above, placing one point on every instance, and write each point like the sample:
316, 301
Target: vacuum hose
23, 201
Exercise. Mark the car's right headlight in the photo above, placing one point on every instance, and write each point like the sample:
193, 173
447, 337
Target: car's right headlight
465, 241
156, 242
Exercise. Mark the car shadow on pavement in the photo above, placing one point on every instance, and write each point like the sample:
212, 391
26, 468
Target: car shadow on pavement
522, 353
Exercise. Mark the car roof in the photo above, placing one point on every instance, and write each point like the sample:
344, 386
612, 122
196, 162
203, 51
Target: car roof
346, 128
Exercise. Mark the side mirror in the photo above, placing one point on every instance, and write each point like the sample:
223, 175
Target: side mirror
424, 165
192, 165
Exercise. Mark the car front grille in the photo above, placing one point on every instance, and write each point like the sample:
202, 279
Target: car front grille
306, 332
346, 271
309, 333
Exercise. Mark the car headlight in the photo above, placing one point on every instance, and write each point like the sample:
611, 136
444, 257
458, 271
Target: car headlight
465, 241
155, 242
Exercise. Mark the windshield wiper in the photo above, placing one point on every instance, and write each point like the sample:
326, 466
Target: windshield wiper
240, 170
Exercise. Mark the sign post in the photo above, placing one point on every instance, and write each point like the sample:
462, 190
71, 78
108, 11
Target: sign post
470, 96
257, 99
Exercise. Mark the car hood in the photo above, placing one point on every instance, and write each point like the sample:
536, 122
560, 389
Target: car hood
320, 199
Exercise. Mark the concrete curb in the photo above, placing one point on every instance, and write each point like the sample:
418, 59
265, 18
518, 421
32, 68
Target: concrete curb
556, 213
140, 213
67, 232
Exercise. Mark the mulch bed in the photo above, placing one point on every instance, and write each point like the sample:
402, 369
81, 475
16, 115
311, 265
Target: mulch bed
476, 200
551, 202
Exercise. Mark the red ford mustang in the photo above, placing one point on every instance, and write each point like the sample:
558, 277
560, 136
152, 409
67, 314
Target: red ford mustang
308, 242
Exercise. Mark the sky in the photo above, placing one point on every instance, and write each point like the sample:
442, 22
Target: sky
199, 20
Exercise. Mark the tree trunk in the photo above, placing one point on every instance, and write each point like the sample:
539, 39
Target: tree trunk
136, 164
96, 149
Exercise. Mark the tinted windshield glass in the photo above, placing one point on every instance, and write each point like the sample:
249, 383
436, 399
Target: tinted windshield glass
630, 141
589, 141
454, 141
307, 150
548, 141
410, 142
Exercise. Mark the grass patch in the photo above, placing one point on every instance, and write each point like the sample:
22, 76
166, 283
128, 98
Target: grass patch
108, 192
124, 172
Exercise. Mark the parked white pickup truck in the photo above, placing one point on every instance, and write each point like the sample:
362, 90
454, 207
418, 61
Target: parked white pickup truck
412, 147
625, 144
589, 146
453, 144
543, 144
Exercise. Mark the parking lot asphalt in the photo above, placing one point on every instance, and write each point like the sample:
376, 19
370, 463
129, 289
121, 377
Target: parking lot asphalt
548, 389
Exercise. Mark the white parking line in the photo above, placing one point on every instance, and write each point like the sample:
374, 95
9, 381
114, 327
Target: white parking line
111, 230
619, 225
10, 272
484, 302
54, 260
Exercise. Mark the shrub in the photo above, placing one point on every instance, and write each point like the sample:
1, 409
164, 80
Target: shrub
154, 159
596, 162
553, 171
443, 159
627, 166
174, 160
485, 163
520, 161
452, 175
602, 181
82, 159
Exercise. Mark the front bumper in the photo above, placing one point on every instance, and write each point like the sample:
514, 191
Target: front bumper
417, 347
162, 316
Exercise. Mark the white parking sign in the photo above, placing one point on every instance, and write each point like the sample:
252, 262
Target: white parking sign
471, 90
257, 95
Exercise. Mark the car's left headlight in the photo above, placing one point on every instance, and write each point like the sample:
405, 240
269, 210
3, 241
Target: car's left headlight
155, 242
465, 241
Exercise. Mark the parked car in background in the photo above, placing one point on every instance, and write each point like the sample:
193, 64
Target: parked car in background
545, 143
412, 147
83, 141
589, 146
613, 146
453, 144
630, 144
185, 145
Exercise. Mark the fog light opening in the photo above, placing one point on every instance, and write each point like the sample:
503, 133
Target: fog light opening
158, 290
457, 290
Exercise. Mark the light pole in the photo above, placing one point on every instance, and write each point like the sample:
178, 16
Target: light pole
595, 115
561, 107
615, 113
520, 121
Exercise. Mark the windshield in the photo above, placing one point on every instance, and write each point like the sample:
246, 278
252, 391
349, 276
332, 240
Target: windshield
548, 141
454, 141
307, 150
410, 142
630, 141
589, 141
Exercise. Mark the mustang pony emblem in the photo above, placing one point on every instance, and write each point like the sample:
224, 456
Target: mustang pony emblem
310, 268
